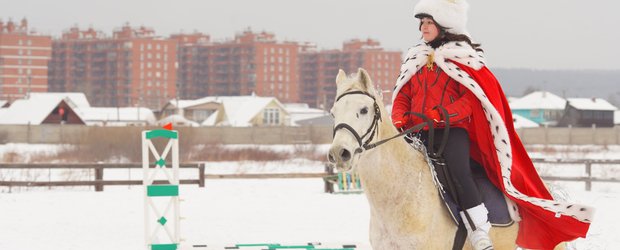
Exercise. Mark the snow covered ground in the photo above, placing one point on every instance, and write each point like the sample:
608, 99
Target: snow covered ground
227, 212
224, 213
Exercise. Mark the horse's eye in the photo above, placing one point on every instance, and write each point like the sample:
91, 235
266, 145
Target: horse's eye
332, 114
364, 111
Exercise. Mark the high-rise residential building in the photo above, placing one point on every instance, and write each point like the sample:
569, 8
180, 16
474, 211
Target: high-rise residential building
318, 69
192, 73
24, 56
249, 63
133, 67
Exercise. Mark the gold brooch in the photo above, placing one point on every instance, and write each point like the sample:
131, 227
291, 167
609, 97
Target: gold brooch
431, 60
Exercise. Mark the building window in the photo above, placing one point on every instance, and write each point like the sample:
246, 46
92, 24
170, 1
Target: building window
534, 113
271, 116
201, 115
158, 47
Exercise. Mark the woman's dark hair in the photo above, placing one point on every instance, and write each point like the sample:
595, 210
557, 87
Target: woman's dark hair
444, 37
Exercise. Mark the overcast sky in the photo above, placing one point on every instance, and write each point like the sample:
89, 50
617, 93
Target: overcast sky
537, 34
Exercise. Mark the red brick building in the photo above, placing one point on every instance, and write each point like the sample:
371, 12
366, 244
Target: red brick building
24, 56
131, 68
250, 63
318, 69
192, 73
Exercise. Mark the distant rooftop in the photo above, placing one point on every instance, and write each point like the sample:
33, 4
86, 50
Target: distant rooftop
591, 104
539, 100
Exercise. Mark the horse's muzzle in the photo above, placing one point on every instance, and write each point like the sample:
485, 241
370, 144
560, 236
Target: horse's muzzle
339, 155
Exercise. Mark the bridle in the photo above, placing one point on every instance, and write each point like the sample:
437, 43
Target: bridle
372, 130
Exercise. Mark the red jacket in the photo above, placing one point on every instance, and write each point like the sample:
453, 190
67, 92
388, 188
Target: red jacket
429, 88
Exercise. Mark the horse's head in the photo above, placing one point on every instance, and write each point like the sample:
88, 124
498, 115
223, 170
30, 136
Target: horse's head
356, 115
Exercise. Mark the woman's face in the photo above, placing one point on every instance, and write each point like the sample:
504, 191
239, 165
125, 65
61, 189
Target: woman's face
429, 29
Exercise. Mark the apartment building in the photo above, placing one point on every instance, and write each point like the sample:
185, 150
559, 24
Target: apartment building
24, 57
249, 63
318, 69
133, 67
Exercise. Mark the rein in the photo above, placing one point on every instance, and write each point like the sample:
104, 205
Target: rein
366, 145
372, 130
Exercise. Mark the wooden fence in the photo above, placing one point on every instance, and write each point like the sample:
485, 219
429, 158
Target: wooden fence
99, 181
587, 163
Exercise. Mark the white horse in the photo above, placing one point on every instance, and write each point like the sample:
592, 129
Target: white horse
405, 208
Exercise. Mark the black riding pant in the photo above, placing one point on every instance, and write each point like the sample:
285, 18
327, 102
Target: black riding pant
456, 155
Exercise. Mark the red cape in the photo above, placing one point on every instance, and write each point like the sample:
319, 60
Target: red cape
538, 228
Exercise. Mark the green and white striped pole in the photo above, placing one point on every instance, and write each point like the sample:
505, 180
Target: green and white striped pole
161, 229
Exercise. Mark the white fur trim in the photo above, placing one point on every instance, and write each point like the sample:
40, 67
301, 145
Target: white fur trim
464, 54
451, 14
417, 56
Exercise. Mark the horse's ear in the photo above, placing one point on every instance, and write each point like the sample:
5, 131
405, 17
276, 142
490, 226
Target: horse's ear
341, 76
364, 79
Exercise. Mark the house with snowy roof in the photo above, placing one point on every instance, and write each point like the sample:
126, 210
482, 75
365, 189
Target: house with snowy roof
235, 111
522, 122
71, 108
302, 115
542, 107
45, 108
586, 112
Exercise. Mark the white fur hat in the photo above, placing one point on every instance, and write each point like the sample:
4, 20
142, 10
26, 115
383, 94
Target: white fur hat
450, 14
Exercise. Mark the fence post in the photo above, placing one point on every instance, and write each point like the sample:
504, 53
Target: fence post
589, 173
329, 187
570, 134
99, 177
201, 175
546, 134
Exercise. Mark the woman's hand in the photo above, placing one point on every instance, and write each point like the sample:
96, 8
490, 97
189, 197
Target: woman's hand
434, 115
400, 123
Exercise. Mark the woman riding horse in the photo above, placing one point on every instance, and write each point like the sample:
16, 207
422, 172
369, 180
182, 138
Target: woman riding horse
445, 79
